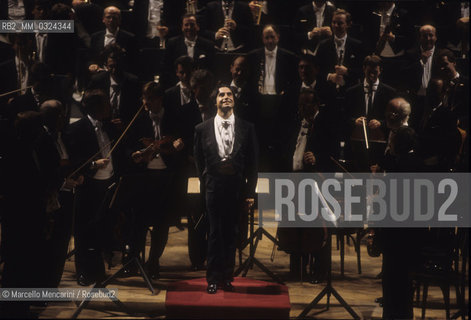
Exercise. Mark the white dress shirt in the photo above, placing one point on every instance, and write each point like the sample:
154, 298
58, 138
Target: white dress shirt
319, 12
311, 86
190, 46
22, 74
115, 105
224, 136
105, 147
153, 18
340, 47
185, 94
301, 143
464, 9
427, 74
270, 71
367, 89
110, 37
41, 43
157, 163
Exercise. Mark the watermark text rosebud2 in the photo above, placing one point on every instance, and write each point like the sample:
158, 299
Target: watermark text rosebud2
358, 200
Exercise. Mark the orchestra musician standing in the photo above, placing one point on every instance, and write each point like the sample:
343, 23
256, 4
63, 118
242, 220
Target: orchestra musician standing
156, 142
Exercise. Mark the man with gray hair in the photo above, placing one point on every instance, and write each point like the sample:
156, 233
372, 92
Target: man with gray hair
421, 67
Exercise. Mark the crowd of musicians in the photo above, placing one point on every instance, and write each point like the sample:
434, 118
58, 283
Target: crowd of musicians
97, 126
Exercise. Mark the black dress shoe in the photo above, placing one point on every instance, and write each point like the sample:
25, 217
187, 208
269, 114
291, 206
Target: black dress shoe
212, 288
227, 286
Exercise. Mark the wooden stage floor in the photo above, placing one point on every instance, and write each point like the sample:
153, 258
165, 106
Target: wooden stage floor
359, 291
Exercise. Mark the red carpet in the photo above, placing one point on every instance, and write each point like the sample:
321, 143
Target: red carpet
251, 299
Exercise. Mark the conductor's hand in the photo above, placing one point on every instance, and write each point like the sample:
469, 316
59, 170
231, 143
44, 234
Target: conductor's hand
359, 121
374, 124
101, 163
178, 144
309, 158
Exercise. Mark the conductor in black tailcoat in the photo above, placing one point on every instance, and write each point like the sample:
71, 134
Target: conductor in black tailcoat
225, 151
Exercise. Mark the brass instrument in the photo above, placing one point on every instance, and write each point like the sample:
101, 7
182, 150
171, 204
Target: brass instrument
191, 6
257, 13
161, 39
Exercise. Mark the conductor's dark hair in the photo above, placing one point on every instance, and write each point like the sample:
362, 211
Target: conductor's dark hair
216, 91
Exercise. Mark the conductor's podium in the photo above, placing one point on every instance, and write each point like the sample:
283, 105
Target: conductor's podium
251, 299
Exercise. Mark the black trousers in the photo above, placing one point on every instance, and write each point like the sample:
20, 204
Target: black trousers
222, 205
150, 208
93, 227
58, 241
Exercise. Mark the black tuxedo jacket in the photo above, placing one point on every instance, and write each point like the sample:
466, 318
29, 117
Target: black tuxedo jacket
61, 52
353, 59
124, 39
81, 142
400, 25
90, 15
203, 54
413, 69
244, 154
214, 19
322, 141
306, 20
130, 92
356, 104
286, 73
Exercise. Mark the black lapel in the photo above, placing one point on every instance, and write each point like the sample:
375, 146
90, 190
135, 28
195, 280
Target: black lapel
238, 128
211, 137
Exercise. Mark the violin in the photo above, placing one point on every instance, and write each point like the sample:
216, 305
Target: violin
154, 147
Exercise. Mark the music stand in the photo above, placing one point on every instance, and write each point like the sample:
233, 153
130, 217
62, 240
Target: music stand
262, 187
329, 289
101, 286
